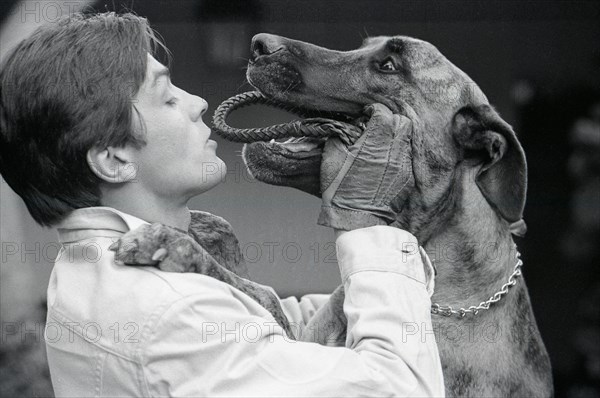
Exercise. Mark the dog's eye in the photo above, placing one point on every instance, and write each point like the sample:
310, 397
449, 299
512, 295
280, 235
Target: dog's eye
388, 65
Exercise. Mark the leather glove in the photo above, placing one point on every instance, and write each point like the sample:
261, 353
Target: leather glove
359, 182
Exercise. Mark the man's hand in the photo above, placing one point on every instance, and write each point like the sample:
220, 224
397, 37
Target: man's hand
359, 182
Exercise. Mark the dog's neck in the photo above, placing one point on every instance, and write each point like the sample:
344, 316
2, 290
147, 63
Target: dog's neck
471, 246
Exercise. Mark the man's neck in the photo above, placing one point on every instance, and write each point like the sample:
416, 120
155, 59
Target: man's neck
150, 208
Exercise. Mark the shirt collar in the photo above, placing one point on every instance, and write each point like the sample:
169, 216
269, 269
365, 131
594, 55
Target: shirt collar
96, 222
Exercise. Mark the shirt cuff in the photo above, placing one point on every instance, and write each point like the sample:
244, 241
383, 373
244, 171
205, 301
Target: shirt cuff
383, 249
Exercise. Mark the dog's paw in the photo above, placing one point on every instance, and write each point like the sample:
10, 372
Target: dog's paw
161, 246
146, 245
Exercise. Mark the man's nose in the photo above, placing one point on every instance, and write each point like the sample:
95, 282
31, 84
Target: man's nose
199, 107
265, 44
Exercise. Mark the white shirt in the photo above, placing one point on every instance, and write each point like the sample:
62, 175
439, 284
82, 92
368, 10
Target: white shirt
117, 330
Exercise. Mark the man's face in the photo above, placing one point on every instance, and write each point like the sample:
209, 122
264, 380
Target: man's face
178, 160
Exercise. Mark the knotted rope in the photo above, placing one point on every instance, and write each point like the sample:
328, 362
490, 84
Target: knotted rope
316, 127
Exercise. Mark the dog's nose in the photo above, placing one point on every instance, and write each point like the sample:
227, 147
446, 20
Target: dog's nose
264, 44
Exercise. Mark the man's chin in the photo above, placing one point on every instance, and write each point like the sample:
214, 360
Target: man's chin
212, 174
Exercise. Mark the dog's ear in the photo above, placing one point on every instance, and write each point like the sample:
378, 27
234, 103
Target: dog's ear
503, 176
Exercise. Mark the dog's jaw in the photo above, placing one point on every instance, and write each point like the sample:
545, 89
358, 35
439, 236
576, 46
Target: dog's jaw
272, 164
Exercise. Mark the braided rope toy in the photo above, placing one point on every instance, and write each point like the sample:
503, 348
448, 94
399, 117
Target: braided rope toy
316, 127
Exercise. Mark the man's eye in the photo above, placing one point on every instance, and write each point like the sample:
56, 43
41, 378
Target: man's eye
388, 65
172, 101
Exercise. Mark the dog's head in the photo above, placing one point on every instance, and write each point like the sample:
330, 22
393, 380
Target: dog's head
454, 125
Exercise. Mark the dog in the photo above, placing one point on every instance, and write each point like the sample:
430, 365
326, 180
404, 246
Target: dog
470, 180
467, 196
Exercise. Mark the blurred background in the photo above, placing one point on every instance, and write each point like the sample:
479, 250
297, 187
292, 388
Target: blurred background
537, 61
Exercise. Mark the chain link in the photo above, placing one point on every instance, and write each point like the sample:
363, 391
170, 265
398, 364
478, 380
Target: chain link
447, 310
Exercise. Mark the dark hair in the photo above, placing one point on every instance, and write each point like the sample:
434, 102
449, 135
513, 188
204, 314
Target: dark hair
64, 90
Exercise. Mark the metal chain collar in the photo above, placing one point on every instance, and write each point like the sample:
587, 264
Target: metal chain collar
447, 310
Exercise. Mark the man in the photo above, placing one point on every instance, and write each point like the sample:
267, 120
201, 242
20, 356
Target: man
97, 141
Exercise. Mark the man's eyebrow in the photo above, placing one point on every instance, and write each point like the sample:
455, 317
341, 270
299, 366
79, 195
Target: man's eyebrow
159, 73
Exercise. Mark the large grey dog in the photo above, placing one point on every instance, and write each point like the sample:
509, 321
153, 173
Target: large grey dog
466, 194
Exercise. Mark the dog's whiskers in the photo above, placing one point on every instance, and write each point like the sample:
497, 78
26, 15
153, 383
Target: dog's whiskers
244, 82
366, 32
288, 88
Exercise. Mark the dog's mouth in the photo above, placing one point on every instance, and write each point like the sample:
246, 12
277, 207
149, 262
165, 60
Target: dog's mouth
304, 147
288, 154
294, 148
296, 163
307, 146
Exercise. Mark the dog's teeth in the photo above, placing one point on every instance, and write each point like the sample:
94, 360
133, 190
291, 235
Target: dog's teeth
272, 141
304, 145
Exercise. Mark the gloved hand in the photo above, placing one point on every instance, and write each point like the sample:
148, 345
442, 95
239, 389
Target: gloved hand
359, 182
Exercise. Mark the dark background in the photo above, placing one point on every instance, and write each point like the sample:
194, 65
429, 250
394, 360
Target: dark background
537, 61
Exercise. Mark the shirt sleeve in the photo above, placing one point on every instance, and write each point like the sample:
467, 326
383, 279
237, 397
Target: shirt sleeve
211, 344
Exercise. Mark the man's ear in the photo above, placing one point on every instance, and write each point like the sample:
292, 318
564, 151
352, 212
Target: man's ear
503, 177
112, 164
